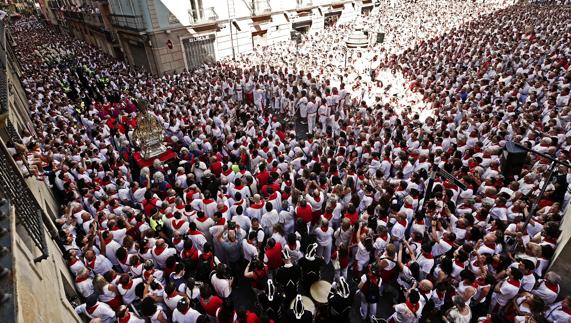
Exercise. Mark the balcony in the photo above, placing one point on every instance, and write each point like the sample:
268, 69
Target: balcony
304, 4
29, 213
260, 7
134, 23
3, 71
93, 19
73, 15
202, 16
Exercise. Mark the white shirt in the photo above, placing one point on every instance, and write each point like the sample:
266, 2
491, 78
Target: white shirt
189, 317
129, 294
103, 311
324, 238
221, 286
250, 251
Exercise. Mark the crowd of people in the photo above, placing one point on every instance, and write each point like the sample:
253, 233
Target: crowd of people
253, 222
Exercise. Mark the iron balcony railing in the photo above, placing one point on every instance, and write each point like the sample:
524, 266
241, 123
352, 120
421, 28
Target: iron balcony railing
135, 23
3, 69
93, 19
28, 212
203, 15
72, 15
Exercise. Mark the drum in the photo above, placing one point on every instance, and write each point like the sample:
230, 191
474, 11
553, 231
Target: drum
319, 291
307, 304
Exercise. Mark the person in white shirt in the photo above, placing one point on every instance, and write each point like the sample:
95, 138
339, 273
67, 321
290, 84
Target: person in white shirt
84, 283
183, 313
161, 252
221, 284
239, 218
249, 247
171, 296
94, 309
124, 316
99, 264
269, 219
324, 235
559, 312
506, 290
409, 311
548, 288
127, 287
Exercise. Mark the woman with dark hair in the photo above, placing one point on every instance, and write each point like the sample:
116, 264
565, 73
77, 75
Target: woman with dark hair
150, 310
226, 312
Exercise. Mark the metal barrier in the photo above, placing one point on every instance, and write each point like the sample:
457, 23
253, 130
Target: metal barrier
28, 212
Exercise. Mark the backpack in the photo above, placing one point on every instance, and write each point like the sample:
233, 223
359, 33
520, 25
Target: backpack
371, 288
204, 266
428, 306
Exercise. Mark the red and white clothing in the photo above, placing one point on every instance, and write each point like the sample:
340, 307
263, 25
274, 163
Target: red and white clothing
99, 265
508, 290
546, 291
128, 290
161, 254
99, 310
190, 316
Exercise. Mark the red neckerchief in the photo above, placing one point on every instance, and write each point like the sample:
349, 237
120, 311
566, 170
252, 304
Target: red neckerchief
159, 250
412, 307
258, 205
222, 221
72, 261
202, 219
402, 222
194, 232
273, 196
126, 318
514, 282
90, 264
428, 255
79, 279
408, 206
173, 294
207, 201
177, 224
224, 209
553, 287
91, 309
128, 285
176, 241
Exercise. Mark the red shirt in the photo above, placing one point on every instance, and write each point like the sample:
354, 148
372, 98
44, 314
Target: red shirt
212, 306
305, 213
353, 217
274, 256
263, 178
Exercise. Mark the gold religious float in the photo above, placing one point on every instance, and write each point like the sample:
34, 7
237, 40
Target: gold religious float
149, 134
